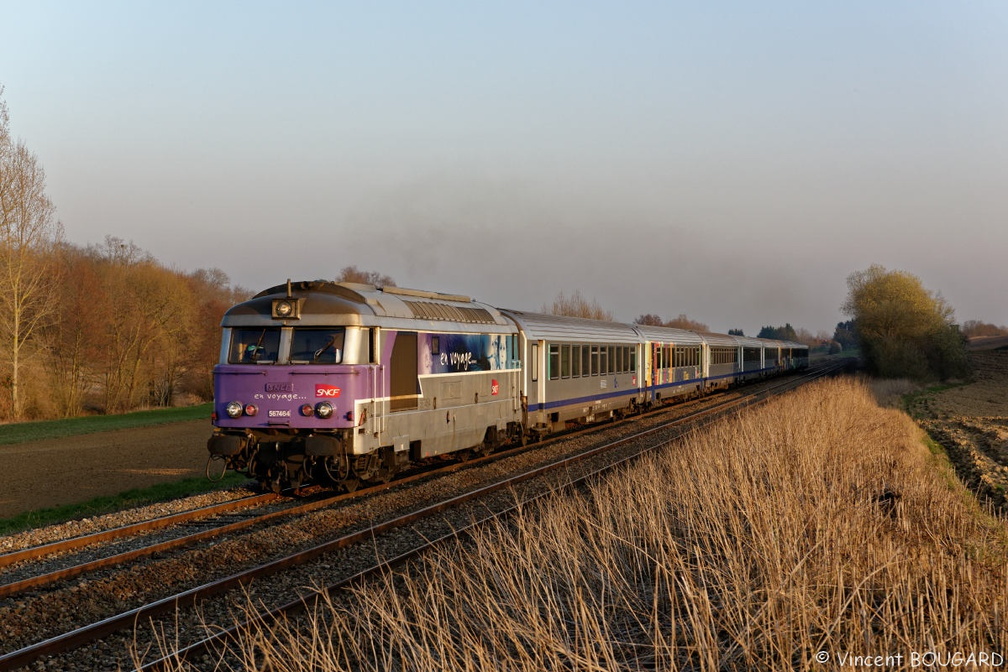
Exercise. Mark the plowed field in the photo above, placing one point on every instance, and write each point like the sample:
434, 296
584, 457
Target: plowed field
971, 422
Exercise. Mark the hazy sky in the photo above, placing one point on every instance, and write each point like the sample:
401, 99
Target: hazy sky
734, 161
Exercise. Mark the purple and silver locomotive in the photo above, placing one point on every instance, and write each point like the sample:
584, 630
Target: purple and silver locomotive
339, 383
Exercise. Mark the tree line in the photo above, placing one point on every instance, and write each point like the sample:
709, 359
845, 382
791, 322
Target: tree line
114, 331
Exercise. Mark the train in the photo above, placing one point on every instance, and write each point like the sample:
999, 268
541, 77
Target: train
340, 383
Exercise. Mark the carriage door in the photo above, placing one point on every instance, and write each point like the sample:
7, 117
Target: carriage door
533, 381
654, 367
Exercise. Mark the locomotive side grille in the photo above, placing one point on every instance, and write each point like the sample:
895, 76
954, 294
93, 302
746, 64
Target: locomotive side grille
430, 310
477, 315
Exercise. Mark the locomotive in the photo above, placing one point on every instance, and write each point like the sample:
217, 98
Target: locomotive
347, 383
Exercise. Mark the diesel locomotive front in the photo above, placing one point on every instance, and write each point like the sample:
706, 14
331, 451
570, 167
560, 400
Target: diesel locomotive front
339, 383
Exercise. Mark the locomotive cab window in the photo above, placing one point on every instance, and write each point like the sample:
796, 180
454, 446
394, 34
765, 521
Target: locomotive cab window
317, 345
254, 345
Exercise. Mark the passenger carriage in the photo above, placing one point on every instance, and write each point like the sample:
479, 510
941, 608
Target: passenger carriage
723, 360
772, 361
673, 363
576, 371
752, 358
794, 356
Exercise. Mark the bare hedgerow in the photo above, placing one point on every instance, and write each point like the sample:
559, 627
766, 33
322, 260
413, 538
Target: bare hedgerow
816, 523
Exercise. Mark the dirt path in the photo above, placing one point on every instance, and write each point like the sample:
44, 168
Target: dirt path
43, 474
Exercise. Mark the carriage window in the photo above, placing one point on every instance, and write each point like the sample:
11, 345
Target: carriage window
575, 361
565, 361
585, 360
317, 345
554, 362
254, 345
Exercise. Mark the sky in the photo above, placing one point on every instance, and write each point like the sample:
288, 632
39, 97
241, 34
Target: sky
731, 161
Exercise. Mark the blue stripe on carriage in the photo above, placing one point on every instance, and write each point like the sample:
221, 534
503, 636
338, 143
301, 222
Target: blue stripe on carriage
627, 392
634, 391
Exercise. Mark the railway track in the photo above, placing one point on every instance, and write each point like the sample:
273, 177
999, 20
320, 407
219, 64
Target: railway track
353, 547
51, 562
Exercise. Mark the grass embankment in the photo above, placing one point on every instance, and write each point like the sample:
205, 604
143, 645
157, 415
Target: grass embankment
818, 523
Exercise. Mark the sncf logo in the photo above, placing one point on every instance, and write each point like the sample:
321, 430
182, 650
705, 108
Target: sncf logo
494, 387
330, 391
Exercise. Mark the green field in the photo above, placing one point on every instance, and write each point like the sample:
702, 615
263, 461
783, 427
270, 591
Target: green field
55, 429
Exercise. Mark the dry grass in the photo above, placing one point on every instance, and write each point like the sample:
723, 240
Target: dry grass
889, 392
819, 522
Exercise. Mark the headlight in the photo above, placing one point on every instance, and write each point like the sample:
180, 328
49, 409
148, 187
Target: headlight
323, 409
251, 410
286, 309
307, 410
234, 409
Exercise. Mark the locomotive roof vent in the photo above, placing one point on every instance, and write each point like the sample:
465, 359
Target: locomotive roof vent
423, 294
430, 310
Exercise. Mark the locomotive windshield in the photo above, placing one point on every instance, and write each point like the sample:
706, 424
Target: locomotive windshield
317, 345
254, 345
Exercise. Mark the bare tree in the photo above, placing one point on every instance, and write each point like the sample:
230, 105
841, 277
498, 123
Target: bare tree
683, 322
577, 306
650, 320
213, 294
147, 331
75, 337
29, 233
